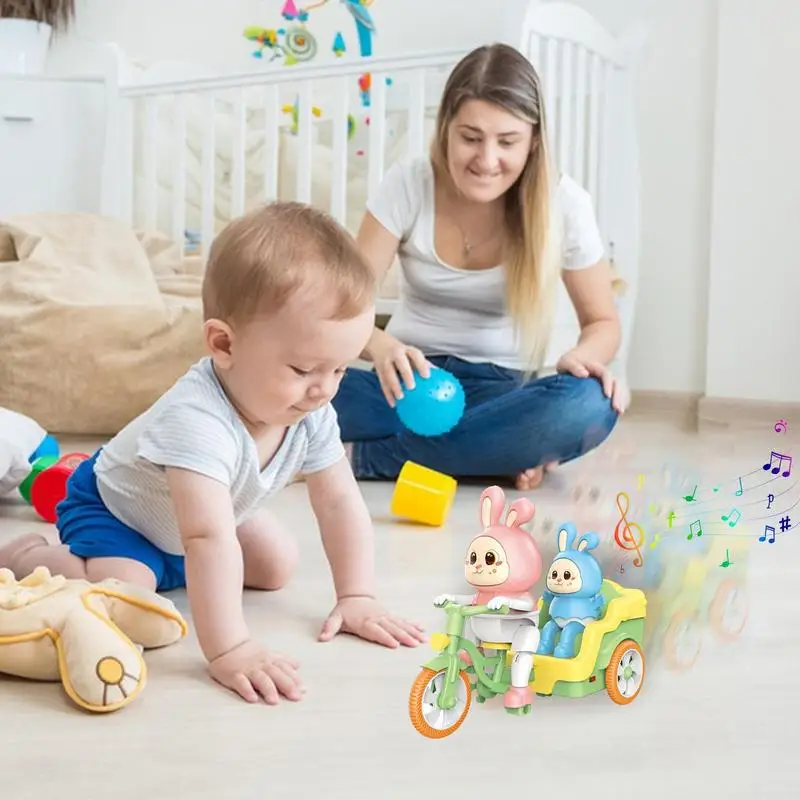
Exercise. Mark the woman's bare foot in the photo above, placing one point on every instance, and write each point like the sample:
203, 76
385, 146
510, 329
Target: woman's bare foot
531, 478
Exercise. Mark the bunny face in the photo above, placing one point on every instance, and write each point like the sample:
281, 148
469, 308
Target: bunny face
487, 563
503, 554
574, 570
564, 576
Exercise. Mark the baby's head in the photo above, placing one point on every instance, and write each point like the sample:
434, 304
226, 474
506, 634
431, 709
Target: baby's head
288, 302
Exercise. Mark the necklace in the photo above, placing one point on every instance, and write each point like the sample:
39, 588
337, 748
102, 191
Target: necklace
467, 246
470, 246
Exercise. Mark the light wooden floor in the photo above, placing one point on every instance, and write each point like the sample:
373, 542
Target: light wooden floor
724, 726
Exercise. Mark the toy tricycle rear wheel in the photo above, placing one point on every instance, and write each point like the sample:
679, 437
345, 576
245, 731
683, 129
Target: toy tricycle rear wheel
728, 612
625, 672
426, 716
682, 640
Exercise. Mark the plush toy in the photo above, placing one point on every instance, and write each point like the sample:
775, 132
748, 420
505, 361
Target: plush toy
573, 591
22, 441
83, 634
503, 563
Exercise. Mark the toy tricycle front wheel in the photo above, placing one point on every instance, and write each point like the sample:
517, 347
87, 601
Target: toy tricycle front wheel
426, 716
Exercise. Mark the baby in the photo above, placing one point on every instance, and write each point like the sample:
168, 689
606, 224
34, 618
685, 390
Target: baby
175, 499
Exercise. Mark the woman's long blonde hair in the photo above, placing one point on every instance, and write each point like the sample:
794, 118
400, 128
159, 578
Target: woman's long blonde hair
501, 75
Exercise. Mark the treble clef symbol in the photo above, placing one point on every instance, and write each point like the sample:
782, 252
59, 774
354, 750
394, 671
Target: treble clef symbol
623, 532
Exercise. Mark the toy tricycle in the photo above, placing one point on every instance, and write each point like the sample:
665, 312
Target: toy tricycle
609, 656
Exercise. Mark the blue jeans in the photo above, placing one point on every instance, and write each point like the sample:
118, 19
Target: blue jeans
509, 425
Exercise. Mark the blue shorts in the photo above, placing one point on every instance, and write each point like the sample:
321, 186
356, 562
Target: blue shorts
90, 530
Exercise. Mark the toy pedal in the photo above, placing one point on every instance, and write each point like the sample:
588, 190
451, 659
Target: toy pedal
423, 495
522, 711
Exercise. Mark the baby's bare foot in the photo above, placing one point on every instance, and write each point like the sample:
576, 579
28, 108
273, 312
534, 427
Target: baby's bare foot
9, 555
530, 479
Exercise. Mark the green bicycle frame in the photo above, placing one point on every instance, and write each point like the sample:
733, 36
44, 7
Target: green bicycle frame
449, 660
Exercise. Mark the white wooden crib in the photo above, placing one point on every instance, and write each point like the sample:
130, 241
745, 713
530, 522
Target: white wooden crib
184, 152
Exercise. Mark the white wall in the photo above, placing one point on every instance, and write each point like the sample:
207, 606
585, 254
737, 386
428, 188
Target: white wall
677, 324
209, 32
676, 111
754, 313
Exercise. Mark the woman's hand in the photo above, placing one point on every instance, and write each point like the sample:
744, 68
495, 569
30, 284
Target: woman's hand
575, 363
394, 360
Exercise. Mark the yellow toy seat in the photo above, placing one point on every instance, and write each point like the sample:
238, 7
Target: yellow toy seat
623, 604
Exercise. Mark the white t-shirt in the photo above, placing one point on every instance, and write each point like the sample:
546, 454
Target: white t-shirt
194, 426
444, 310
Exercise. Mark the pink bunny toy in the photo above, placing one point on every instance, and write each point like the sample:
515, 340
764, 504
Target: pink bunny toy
503, 563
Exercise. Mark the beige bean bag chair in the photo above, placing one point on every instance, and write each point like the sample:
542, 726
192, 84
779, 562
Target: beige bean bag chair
96, 320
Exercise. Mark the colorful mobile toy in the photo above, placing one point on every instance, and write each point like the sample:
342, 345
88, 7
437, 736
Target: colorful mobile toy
365, 26
488, 661
339, 48
294, 43
294, 110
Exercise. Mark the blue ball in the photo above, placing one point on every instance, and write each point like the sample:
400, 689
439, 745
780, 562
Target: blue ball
434, 406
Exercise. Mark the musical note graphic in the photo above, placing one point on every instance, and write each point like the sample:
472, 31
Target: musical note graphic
727, 561
623, 532
780, 426
655, 541
689, 498
640, 482
739, 490
693, 532
770, 498
768, 529
780, 458
732, 517
670, 517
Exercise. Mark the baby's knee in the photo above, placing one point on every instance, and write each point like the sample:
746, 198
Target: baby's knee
127, 570
275, 571
270, 554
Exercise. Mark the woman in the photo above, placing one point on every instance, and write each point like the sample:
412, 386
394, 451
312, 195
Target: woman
483, 232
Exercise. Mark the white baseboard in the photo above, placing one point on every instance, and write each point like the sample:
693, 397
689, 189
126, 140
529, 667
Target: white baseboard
724, 412
693, 411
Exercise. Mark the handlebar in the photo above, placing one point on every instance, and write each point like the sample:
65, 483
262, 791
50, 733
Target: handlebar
472, 611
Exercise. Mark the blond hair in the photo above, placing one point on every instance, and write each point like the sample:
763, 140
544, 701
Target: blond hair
259, 260
501, 75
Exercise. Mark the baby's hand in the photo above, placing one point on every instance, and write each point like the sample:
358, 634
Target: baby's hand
444, 598
366, 618
253, 672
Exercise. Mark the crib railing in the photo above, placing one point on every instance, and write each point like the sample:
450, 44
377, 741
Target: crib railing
141, 145
584, 82
587, 81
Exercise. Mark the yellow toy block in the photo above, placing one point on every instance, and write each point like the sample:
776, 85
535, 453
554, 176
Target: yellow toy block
423, 495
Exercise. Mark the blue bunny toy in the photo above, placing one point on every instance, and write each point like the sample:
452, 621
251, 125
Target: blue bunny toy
574, 581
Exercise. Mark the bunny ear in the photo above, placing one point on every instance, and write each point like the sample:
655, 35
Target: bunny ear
588, 541
566, 535
493, 500
520, 512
